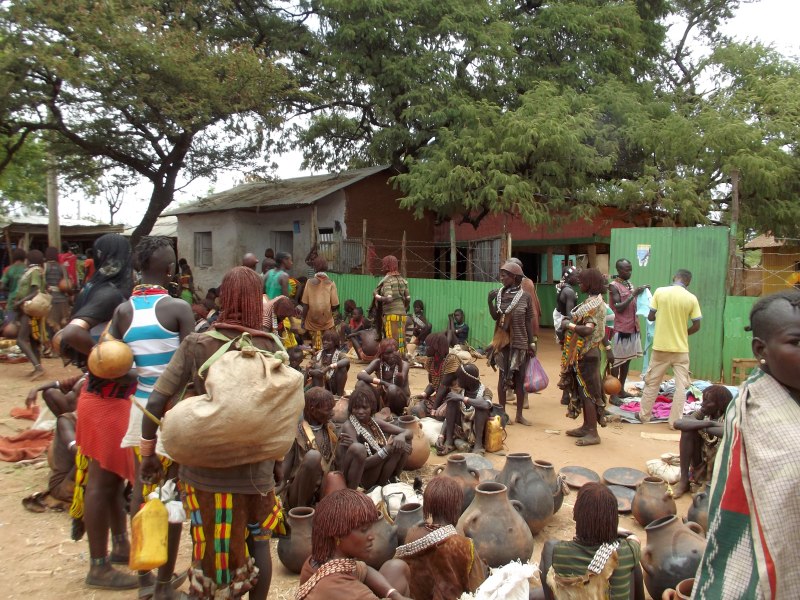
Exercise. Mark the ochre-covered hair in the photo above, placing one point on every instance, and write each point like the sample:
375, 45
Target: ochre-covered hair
240, 298
336, 516
331, 336
386, 345
317, 398
596, 515
438, 343
595, 281
361, 396
442, 500
389, 264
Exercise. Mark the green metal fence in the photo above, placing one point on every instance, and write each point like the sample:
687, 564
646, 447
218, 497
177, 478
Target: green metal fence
737, 342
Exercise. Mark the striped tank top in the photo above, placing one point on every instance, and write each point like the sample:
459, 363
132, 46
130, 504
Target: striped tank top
152, 346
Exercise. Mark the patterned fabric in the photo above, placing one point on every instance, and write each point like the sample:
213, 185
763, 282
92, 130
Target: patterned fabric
428, 541
572, 559
81, 477
755, 508
102, 423
394, 326
339, 565
152, 346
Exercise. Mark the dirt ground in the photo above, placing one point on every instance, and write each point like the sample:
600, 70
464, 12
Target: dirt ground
41, 561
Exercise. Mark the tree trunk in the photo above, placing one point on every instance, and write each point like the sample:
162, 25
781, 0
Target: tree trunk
160, 198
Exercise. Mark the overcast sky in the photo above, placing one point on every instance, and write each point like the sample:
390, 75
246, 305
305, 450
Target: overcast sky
769, 21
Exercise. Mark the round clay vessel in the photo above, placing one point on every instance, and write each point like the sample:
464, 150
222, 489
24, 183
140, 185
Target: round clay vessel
495, 525
384, 544
296, 548
611, 385
683, 591
651, 501
672, 553
340, 413
547, 472
526, 485
467, 478
698, 511
333, 481
420, 450
409, 515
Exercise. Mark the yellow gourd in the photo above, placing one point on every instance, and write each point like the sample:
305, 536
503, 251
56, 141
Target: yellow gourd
494, 435
149, 537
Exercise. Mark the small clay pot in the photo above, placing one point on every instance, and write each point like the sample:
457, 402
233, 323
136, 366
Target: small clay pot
672, 553
384, 544
296, 548
526, 485
611, 385
682, 591
420, 449
698, 511
409, 516
467, 478
333, 481
652, 502
11, 330
548, 473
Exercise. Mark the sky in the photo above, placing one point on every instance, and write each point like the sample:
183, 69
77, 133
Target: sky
772, 22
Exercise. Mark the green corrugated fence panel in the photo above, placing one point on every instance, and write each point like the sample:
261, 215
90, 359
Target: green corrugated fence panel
737, 340
702, 250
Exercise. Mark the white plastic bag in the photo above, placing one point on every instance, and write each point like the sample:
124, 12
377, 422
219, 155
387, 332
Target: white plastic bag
509, 582
668, 467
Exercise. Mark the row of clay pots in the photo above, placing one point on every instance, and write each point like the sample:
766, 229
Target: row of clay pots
534, 484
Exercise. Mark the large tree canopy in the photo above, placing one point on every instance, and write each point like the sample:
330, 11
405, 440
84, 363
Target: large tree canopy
157, 88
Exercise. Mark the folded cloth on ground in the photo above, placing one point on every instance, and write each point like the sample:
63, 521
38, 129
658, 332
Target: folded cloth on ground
25, 446
31, 413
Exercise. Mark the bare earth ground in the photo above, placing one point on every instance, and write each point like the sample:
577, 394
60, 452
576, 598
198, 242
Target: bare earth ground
41, 561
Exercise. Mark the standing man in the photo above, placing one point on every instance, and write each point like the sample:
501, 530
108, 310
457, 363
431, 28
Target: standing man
672, 308
530, 288
70, 262
276, 281
566, 300
250, 261
626, 342
320, 301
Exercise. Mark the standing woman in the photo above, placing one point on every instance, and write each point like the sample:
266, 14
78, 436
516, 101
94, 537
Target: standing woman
442, 368
104, 410
391, 298
584, 332
32, 334
276, 281
56, 278
513, 343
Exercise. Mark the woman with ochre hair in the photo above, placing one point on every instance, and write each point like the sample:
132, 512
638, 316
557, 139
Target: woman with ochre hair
390, 301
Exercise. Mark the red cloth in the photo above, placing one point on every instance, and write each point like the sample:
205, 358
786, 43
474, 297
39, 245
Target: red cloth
70, 263
28, 444
102, 423
88, 269
31, 413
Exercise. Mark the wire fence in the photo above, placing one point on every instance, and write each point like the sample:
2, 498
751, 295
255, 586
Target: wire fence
767, 278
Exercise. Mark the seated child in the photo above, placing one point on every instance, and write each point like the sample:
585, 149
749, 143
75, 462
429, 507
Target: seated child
465, 414
330, 366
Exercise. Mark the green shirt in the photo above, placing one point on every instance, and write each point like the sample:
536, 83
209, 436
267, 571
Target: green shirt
33, 277
11, 281
571, 559
396, 287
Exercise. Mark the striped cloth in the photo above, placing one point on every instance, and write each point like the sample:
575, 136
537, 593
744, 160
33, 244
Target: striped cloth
755, 508
394, 326
152, 346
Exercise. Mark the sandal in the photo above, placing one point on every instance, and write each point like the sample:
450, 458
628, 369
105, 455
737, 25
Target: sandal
147, 592
117, 581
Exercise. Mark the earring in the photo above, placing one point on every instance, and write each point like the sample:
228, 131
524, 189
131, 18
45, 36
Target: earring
337, 541
763, 361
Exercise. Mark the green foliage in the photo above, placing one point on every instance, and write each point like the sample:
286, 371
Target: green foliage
23, 182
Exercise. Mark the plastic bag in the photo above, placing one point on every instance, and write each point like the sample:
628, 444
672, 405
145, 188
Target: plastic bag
667, 467
536, 378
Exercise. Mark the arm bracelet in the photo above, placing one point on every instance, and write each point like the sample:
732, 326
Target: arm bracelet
147, 447
383, 453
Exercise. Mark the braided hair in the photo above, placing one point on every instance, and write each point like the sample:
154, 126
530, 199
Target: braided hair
336, 516
442, 500
317, 398
240, 298
596, 515
147, 247
762, 320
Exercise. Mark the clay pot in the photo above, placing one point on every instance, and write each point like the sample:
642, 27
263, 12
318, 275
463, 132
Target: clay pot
651, 501
296, 548
333, 481
698, 511
682, 591
526, 485
467, 478
110, 359
340, 412
384, 544
11, 330
420, 449
495, 525
672, 553
410, 515
547, 472
611, 385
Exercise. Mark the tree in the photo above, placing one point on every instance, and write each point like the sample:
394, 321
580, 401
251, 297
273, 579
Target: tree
156, 88
22, 181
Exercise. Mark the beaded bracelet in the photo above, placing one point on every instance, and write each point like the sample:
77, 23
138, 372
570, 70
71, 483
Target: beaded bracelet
147, 447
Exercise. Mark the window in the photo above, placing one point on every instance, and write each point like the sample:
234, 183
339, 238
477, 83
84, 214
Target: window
283, 241
203, 256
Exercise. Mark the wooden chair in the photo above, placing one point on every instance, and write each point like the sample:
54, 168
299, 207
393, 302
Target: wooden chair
740, 369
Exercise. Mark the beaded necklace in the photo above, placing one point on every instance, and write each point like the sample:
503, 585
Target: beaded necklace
148, 289
517, 291
331, 567
383, 366
371, 443
625, 282
439, 534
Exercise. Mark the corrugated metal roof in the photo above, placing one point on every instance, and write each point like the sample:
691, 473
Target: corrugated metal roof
298, 191
764, 241
164, 227
42, 220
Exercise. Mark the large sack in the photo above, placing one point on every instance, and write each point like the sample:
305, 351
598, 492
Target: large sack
249, 412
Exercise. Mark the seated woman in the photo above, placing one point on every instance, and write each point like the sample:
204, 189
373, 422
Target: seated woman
385, 447
315, 452
443, 563
329, 366
419, 325
387, 378
601, 560
340, 541
442, 368
457, 329
466, 414
365, 343
700, 435
276, 318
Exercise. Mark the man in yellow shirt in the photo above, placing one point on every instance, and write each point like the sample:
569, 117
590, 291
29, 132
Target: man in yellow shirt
793, 280
672, 308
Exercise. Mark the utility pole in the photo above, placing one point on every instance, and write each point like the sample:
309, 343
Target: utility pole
734, 231
53, 225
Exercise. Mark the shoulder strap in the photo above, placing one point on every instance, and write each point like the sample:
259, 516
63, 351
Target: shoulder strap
242, 339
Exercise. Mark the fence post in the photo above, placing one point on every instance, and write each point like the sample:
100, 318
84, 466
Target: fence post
403, 266
470, 256
732, 267
364, 247
549, 264
453, 253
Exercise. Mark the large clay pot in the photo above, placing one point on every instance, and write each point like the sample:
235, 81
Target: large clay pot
410, 515
384, 544
340, 411
652, 502
698, 511
420, 449
332, 482
296, 548
682, 591
547, 472
525, 485
495, 525
467, 478
672, 553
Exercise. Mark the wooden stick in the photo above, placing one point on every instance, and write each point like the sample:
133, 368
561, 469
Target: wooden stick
146, 412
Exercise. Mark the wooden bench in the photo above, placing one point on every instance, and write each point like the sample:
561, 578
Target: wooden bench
740, 369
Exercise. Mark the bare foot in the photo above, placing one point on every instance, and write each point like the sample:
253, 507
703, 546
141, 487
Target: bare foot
579, 432
680, 489
588, 440
523, 421
37, 373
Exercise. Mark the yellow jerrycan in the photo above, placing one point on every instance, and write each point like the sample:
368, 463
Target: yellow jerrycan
495, 434
149, 537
